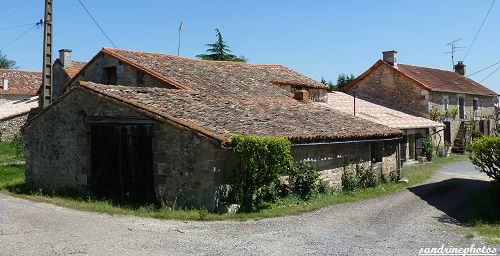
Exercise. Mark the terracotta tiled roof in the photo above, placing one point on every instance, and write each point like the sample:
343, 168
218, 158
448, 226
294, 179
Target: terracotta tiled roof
444, 80
220, 117
431, 79
20, 81
17, 107
225, 77
75, 67
377, 113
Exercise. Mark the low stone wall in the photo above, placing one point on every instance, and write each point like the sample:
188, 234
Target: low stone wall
11, 126
331, 160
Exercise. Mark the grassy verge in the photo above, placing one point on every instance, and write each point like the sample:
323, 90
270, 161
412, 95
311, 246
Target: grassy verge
12, 182
8, 153
484, 217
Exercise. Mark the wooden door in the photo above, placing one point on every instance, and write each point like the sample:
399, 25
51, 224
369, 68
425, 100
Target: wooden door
122, 162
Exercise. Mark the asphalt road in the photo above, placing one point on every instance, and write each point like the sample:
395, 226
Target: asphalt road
397, 224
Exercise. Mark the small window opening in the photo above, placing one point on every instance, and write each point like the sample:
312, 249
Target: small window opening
475, 103
110, 73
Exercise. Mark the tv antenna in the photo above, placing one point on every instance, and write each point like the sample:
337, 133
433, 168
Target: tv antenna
454, 49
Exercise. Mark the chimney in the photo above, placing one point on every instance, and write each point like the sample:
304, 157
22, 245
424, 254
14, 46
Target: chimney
65, 57
460, 68
390, 58
301, 95
5, 84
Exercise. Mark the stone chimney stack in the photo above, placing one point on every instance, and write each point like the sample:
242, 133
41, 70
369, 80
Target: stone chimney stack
460, 68
5, 85
65, 57
390, 58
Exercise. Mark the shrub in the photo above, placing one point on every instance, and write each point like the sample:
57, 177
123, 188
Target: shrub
261, 162
484, 153
476, 134
350, 178
427, 146
304, 181
18, 144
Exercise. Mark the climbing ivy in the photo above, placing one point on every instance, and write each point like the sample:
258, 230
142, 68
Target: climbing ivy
261, 162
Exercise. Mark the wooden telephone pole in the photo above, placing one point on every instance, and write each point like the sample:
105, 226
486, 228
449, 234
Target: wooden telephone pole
46, 92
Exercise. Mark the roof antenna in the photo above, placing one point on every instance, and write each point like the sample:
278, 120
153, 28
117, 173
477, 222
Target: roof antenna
179, 45
454, 49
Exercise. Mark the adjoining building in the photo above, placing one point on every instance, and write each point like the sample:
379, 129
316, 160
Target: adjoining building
414, 128
426, 92
18, 90
156, 127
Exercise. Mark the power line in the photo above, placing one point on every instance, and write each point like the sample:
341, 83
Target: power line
19, 37
97, 23
465, 77
18, 26
490, 74
12, 10
479, 30
484, 69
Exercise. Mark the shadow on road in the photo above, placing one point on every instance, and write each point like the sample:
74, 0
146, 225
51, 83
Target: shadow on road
454, 197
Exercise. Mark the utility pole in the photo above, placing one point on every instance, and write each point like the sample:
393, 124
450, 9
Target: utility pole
46, 92
454, 49
179, 45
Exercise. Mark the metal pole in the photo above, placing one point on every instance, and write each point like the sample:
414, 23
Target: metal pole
354, 95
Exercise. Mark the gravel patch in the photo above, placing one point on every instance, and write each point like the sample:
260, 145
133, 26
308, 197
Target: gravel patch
396, 224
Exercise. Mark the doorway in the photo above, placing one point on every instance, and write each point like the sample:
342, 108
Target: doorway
447, 131
122, 162
461, 110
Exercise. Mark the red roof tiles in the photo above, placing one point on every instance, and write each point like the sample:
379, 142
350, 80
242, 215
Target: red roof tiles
221, 117
75, 67
377, 113
444, 80
20, 81
17, 107
431, 79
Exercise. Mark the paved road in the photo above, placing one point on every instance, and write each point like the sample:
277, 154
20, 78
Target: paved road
397, 224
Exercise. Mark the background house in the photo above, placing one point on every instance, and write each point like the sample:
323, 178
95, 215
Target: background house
17, 96
414, 128
162, 133
422, 90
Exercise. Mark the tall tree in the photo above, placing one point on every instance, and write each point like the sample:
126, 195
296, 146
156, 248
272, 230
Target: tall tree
220, 51
6, 63
344, 79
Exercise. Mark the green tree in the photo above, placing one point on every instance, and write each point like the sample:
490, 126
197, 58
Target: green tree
220, 51
330, 84
6, 63
344, 79
485, 155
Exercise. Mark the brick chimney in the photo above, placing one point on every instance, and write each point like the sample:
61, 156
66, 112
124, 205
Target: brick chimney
460, 68
390, 58
65, 57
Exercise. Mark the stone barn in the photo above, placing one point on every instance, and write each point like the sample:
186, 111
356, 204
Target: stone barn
156, 128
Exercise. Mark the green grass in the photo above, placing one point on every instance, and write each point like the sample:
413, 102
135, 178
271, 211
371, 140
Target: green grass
12, 182
8, 153
484, 217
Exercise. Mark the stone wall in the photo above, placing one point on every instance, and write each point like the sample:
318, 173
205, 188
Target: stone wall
187, 167
126, 74
331, 160
486, 106
389, 87
59, 79
11, 126
315, 94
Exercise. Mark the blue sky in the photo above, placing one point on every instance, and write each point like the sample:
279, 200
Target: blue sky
317, 38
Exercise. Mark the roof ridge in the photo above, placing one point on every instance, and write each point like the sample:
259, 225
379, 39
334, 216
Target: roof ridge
192, 59
20, 70
426, 67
